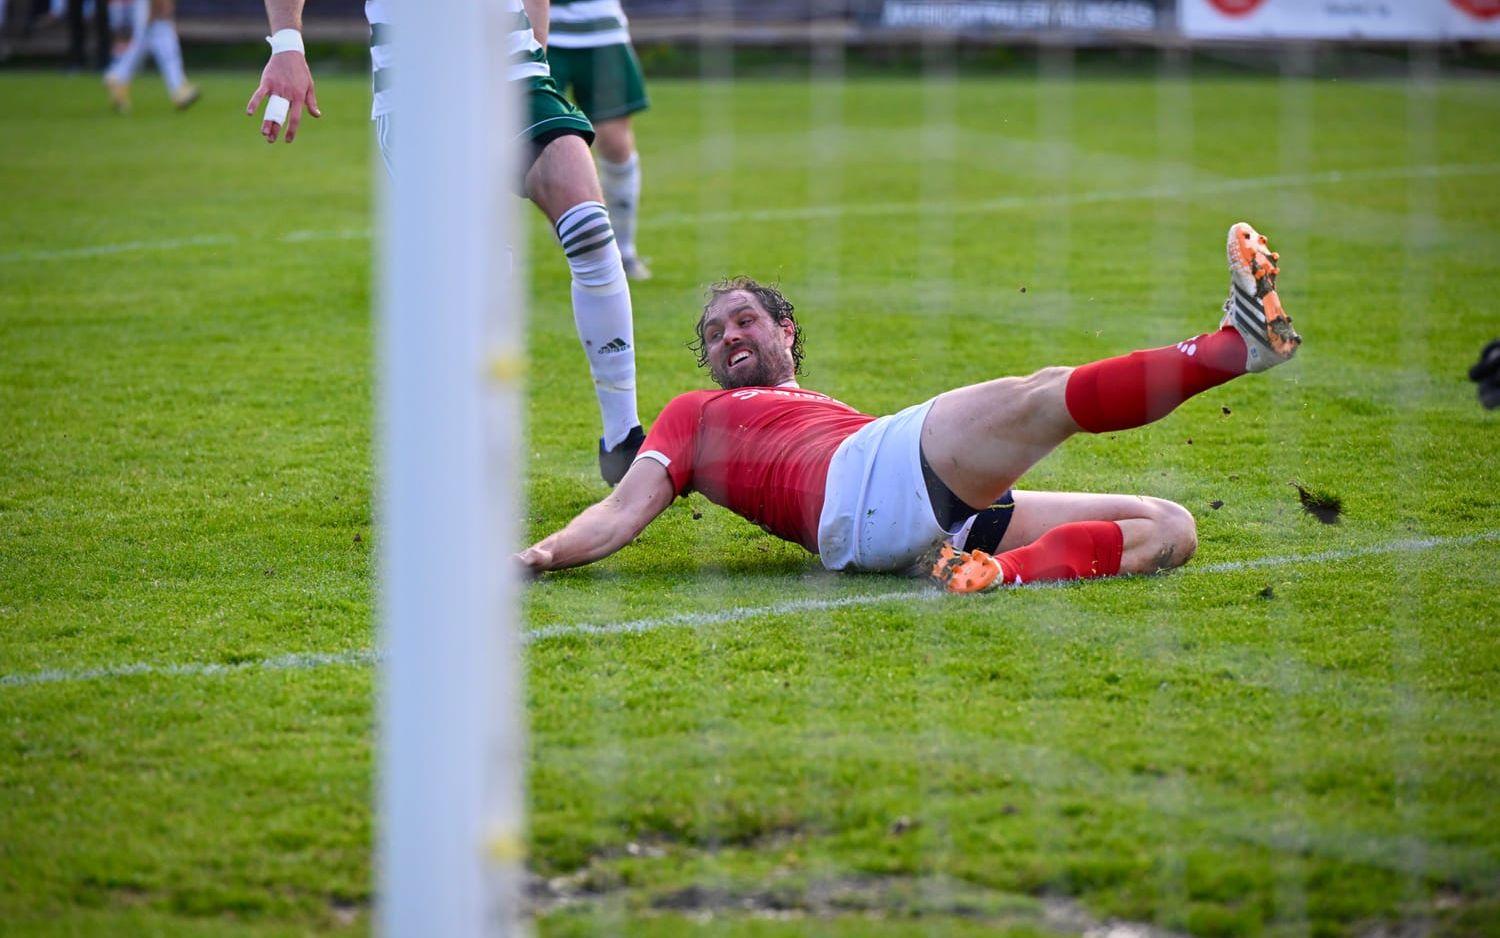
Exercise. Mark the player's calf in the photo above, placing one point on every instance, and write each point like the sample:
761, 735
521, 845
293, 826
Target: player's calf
603, 316
1254, 335
1160, 535
1078, 550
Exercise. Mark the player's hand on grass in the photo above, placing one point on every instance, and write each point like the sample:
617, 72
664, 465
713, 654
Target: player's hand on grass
286, 75
533, 562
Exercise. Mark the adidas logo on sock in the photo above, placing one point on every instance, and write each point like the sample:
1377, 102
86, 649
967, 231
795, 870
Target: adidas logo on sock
615, 345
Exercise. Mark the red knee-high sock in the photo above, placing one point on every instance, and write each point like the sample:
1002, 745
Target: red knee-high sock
1135, 389
1077, 551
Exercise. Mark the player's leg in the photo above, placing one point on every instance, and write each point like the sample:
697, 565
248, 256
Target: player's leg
1068, 536
609, 86
385, 142
980, 439
120, 73
161, 34
620, 174
563, 184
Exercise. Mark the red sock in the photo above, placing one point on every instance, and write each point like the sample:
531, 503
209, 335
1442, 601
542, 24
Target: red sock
1080, 550
1135, 389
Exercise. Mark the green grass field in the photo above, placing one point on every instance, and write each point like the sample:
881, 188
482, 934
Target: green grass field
1297, 734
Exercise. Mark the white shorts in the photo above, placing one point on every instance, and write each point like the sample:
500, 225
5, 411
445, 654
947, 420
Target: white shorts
876, 512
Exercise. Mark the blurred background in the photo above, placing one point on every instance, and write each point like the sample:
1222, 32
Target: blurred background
69, 31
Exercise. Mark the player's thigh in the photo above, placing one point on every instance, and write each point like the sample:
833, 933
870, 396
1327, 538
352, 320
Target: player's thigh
562, 176
163, 9
1036, 513
982, 438
562, 171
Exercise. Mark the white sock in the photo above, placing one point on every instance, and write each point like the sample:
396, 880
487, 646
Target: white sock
125, 67
622, 191
168, 53
602, 314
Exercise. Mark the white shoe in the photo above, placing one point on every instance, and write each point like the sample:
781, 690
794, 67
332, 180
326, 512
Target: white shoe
635, 268
1253, 307
185, 97
119, 95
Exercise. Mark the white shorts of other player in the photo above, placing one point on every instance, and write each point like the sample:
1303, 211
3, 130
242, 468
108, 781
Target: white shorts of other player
876, 513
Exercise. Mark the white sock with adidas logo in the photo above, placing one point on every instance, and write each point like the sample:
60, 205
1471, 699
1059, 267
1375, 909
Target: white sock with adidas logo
602, 314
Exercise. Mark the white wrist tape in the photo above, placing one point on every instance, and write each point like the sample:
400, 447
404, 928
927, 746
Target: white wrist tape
276, 108
286, 40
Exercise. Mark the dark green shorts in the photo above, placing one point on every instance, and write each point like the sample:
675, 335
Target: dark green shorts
549, 115
605, 81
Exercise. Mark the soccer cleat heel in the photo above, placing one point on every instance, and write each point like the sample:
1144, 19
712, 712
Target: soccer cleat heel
1253, 306
969, 571
614, 463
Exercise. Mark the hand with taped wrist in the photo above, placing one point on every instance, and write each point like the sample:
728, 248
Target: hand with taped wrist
286, 85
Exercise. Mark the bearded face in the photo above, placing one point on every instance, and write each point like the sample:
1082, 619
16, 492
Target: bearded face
744, 345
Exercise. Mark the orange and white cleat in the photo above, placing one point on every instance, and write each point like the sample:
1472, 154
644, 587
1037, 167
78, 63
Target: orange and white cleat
1253, 307
967, 571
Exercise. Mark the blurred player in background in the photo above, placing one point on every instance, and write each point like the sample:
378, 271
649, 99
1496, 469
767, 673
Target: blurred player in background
559, 179
152, 27
593, 61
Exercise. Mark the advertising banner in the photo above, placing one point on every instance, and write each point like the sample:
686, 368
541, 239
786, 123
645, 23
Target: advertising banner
1393, 20
1015, 15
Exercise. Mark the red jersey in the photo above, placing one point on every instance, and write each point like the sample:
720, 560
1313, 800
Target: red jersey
763, 453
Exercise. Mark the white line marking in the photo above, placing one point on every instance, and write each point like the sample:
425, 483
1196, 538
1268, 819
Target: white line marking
927, 593
296, 662
124, 247
1153, 193
172, 244
923, 593
816, 212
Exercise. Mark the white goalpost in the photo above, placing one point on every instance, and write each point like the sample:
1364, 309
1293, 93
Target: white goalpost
450, 806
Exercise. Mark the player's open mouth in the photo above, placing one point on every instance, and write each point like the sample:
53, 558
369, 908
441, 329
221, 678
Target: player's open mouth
742, 355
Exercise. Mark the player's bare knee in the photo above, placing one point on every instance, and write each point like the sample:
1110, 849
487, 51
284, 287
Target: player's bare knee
614, 140
1176, 531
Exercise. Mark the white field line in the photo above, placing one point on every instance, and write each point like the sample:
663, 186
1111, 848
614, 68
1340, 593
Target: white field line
920, 593
294, 662
172, 244
873, 209
924, 592
1152, 193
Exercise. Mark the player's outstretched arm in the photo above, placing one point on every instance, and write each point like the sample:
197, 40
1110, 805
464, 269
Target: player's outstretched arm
605, 527
286, 81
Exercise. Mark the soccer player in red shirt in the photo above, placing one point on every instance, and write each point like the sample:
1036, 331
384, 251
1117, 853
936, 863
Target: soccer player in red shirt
887, 493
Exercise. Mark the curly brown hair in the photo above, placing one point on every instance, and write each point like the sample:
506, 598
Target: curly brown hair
770, 299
